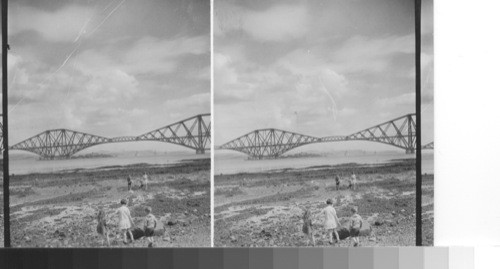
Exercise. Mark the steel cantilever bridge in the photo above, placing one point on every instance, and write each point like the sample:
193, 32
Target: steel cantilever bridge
193, 133
272, 143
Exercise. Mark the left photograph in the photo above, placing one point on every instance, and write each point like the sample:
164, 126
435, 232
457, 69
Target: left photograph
109, 123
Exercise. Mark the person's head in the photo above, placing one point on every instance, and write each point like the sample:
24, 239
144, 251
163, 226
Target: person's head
354, 209
123, 202
148, 209
329, 201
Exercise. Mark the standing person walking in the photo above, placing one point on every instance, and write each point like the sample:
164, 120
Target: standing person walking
149, 226
125, 221
129, 183
331, 222
337, 182
355, 223
145, 180
353, 181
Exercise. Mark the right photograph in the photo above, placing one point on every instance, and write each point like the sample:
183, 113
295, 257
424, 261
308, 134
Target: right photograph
315, 124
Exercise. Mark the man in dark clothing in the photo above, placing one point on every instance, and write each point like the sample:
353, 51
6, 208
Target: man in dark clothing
129, 181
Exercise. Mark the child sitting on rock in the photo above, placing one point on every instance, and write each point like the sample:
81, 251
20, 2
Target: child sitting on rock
102, 227
355, 224
149, 226
307, 227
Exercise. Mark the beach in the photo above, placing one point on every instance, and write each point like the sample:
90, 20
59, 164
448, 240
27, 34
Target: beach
59, 209
260, 209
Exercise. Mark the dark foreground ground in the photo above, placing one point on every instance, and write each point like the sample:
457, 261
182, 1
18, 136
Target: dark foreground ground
265, 209
60, 209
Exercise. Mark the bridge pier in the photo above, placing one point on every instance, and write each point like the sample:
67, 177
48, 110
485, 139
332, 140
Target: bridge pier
200, 151
410, 151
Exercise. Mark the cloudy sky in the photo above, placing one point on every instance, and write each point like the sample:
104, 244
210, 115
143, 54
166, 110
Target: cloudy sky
107, 67
317, 67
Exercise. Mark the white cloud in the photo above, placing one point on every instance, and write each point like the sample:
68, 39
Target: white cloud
62, 25
294, 93
305, 64
150, 48
227, 80
195, 104
329, 75
361, 53
146, 56
97, 78
117, 80
195, 100
403, 99
276, 24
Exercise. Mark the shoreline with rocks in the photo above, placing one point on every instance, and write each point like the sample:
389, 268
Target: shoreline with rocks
265, 209
60, 209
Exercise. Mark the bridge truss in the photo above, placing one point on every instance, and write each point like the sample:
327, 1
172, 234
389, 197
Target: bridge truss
428, 146
193, 133
268, 143
272, 143
59, 143
399, 132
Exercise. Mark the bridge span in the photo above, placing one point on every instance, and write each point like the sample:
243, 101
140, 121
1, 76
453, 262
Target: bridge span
193, 133
272, 143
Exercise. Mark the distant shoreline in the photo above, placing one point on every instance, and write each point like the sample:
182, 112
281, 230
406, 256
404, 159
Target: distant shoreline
253, 168
347, 167
130, 167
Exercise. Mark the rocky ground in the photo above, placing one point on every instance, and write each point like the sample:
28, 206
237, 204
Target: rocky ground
265, 209
60, 209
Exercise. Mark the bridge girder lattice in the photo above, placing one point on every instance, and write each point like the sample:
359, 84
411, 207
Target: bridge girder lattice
399, 132
268, 143
193, 133
428, 146
59, 143
272, 143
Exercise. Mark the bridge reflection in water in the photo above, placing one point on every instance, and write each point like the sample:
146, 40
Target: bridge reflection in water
272, 143
193, 133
